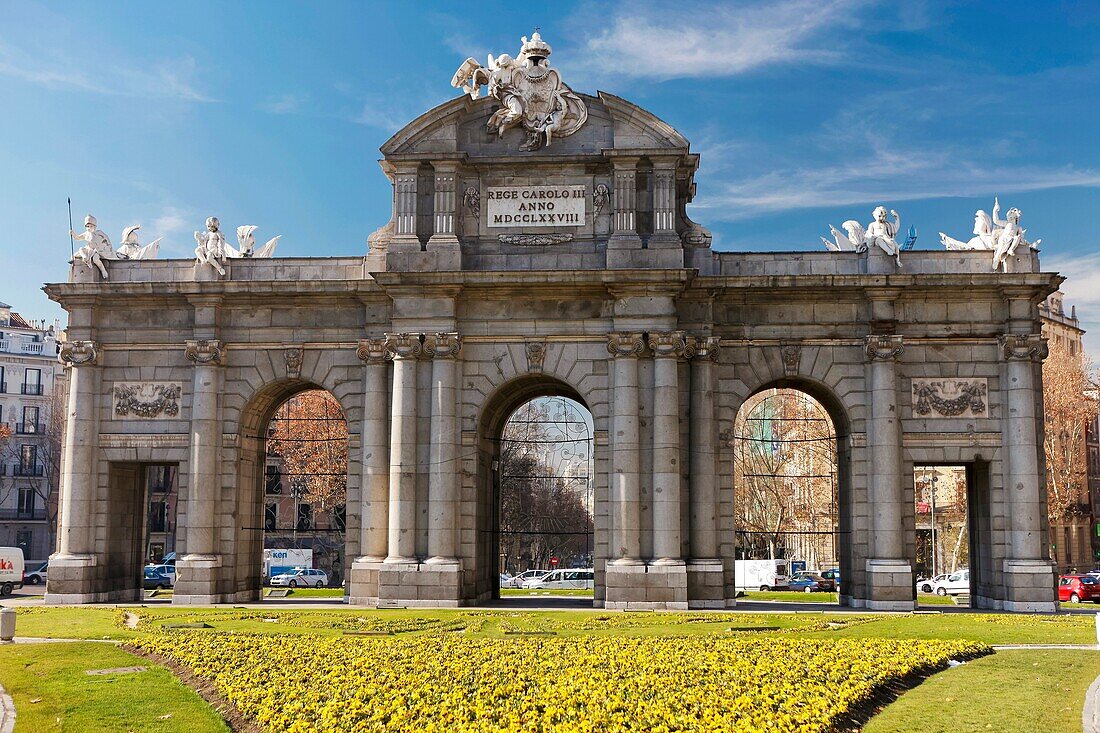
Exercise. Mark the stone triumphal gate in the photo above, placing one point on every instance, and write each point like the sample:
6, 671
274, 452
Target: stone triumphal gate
532, 252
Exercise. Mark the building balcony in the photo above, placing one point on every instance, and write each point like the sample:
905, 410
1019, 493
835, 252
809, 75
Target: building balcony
32, 347
28, 471
38, 514
30, 389
30, 428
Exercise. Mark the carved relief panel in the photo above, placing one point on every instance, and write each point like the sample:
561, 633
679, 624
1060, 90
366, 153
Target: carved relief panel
147, 400
939, 398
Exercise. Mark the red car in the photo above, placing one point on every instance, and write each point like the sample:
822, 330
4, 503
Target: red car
1077, 588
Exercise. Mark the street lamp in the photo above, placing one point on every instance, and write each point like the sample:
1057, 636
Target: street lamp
935, 475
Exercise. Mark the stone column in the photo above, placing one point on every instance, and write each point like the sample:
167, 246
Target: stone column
406, 349
889, 574
443, 478
79, 474
74, 575
404, 205
664, 205
624, 198
1029, 577
443, 231
374, 451
704, 505
668, 348
197, 570
203, 480
626, 548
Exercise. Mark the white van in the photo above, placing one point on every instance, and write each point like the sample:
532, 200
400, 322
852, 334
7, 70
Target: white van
573, 578
11, 569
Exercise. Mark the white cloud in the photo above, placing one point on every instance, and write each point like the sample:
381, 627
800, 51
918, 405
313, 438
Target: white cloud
167, 79
718, 39
282, 105
172, 225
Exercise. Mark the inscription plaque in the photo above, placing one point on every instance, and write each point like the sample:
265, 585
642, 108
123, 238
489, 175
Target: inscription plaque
536, 206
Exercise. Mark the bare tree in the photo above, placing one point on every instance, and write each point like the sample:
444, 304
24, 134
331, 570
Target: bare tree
310, 433
1069, 404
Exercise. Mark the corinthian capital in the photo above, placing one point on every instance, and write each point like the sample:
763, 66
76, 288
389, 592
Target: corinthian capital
209, 351
373, 351
404, 345
78, 353
883, 347
670, 345
443, 346
1024, 346
625, 344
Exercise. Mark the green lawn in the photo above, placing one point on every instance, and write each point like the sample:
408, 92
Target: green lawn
52, 692
787, 596
308, 592
1021, 691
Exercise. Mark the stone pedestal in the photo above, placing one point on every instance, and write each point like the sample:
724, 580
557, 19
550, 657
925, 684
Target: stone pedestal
364, 582
1029, 586
705, 587
73, 579
413, 584
889, 586
646, 587
196, 580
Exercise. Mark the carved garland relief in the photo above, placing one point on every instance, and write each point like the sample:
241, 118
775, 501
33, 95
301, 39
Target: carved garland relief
950, 397
147, 400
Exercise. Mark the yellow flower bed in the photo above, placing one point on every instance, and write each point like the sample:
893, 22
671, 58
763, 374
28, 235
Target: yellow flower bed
454, 683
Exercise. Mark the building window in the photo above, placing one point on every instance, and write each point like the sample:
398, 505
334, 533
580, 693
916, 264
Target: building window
3, 384
158, 516
156, 552
305, 516
28, 458
271, 516
26, 502
23, 540
32, 381
272, 480
30, 424
340, 518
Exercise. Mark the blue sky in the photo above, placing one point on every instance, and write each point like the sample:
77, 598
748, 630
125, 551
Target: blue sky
805, 112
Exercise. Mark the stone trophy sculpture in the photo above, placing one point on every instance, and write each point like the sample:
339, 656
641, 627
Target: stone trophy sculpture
97, 247
1001, 236
880, 232
247, 242
531, 94
131, 249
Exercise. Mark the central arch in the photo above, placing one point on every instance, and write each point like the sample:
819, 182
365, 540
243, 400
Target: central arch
500, 406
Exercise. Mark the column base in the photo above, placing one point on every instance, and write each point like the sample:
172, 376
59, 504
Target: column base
415, 584
889, 586
197, 580
74, 579
363, 583
665, 240
646, 587
442, 242
1029, 586
705, 584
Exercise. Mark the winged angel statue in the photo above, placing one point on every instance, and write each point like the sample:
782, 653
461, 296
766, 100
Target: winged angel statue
97, 246
531, 94
1001, 236
213, 250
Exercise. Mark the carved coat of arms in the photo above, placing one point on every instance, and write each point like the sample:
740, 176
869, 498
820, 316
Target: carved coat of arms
531, 94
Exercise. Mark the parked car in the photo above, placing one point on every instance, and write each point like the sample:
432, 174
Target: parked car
519, 579
168, 570
12, 567
154, 579
564, 579
37, 574
925, 585
954, 584
833, 575
811, 583
1077, 588
308, 577
505, 578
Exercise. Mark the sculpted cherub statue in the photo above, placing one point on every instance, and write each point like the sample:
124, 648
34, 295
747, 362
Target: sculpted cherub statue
97, 249
881, 233
211, 245
1002, 236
